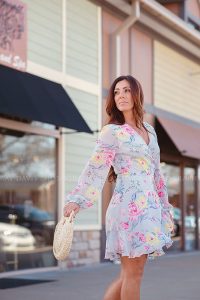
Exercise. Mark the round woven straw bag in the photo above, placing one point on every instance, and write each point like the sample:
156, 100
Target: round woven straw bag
63, 237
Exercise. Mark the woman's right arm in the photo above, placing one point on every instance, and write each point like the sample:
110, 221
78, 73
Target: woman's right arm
93, 177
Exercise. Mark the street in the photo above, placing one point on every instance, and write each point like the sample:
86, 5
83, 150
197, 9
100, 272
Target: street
173, 276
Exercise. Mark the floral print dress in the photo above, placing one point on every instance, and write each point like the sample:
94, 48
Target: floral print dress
138, 218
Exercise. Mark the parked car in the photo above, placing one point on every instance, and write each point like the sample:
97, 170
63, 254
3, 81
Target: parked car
41, 223
15, 238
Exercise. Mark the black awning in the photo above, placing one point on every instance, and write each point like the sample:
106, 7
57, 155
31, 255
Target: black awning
31, 97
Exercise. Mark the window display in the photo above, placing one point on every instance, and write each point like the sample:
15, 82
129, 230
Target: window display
27, 201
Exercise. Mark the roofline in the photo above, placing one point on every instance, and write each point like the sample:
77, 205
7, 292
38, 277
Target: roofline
170, 19
162, 13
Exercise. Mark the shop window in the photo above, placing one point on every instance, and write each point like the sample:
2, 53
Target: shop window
190, 214
27, 201
172, 176
22, 120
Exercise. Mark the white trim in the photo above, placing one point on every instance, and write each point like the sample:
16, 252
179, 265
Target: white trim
116, 36
61, 174
61, 142
29, 271
169, 34
120, 4
172, 24
61, 180
64, 34
171, 19
44, 72
64, 79
100, 110
29, 128
162, 13
118, 55
86, 227
82, 85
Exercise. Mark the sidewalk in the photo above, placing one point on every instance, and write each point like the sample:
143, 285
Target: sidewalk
170, 277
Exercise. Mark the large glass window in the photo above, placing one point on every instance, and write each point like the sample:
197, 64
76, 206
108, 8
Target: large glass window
190, 216
172, 176
188, 200
27, 200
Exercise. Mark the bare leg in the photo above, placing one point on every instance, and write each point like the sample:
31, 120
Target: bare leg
113, 292
133, 269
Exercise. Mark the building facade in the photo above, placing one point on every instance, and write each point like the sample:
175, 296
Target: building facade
158, 43
83, 45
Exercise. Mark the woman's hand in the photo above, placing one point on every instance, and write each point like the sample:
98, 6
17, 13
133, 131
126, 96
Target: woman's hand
69, 207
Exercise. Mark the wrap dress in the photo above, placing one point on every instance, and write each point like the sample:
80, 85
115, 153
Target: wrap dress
138, 218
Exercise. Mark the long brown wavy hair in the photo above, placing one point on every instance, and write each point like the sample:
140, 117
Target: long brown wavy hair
115, 116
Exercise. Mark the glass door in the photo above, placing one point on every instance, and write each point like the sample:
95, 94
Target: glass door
190, 208
172, 176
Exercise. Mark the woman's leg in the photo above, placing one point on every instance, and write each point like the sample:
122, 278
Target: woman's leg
113, 292
132, 269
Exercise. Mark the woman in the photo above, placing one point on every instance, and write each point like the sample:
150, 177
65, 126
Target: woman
138, 219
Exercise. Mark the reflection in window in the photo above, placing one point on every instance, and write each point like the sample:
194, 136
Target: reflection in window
43, 125
172, 176
190, 219
27, 201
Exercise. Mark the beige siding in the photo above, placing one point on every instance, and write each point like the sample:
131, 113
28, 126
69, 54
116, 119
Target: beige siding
45, 32
82, 40
176, 82
78, 148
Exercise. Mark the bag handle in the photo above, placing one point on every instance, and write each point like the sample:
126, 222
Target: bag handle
72, 215
70, 218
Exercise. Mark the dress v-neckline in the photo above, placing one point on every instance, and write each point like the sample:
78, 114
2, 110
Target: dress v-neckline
149, 139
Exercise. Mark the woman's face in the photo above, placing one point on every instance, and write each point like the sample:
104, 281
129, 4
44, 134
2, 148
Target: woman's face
122, 96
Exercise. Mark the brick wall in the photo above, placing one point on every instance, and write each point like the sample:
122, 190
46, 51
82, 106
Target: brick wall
85, 248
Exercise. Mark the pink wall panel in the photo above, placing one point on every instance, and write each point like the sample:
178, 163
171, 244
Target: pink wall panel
193, 7
110, 24
175, 8
142, 62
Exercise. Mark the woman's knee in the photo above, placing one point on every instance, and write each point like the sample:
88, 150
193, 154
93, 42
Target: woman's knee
133, 268
135, 275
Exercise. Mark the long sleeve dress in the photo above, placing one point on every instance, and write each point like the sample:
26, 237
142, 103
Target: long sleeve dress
138, 218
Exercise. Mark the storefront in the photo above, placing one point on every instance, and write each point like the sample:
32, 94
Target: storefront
158, 48
28, 189
45, 61
176, 108
72, 44
180, 163
32, 111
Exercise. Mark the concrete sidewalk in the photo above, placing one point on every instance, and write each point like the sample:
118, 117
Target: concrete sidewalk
170, 277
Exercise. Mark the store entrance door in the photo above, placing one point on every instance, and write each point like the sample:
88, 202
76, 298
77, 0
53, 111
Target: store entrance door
190, 197
172, 175
181, 180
